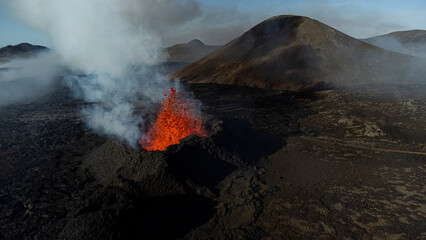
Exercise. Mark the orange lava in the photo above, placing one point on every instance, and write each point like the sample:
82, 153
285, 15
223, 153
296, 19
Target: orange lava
176, 120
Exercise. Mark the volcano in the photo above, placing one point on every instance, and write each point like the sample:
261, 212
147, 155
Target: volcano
298, 53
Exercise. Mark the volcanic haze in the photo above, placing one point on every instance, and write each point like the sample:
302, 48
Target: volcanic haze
411, 42
189, 52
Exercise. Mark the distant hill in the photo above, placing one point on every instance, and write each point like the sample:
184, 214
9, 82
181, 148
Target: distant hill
189, 52
412, 42
21, 50
297, 53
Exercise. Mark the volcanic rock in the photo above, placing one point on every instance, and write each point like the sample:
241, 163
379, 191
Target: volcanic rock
171, 189
259, 174
299, 53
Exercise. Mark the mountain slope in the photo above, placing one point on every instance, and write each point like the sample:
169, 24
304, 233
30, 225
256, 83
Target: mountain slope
189, 52
412, 42
297, 53
21, 50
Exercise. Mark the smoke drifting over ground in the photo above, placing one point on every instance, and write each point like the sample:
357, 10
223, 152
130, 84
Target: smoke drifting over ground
390, 43
24, 79
110, 51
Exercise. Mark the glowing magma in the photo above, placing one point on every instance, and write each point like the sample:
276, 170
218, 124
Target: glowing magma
176, 120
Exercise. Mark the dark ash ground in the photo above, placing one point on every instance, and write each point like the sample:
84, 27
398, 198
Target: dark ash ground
331, 164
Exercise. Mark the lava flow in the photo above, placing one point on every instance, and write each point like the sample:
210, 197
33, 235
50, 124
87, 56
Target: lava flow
176, 120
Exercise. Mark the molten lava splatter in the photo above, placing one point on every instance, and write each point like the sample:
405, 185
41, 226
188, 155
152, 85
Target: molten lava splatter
176, 120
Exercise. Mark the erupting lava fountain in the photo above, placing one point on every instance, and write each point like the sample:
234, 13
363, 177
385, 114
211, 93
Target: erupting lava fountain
177, 119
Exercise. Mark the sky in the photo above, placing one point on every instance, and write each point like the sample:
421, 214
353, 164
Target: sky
217, 22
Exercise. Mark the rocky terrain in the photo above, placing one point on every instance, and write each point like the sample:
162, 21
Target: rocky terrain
276, 165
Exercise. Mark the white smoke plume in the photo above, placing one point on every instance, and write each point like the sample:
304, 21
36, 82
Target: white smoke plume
109, 48
25, 79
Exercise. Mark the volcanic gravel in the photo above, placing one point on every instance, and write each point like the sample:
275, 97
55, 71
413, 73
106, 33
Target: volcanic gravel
270, 168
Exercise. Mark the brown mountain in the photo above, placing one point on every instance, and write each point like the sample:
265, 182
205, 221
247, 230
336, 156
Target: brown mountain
189, 52
412, 42
21, 50
296, 53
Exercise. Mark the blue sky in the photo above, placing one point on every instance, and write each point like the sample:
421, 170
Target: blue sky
12, 31
358, 18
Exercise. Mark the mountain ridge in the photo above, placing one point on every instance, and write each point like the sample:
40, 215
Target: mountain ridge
410, 42
297, 53
21, 50
189, 52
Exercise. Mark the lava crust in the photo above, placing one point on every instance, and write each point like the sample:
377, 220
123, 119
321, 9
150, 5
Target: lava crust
273, 167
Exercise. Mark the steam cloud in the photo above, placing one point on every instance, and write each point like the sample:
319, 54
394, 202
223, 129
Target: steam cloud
25, 79
110, 49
